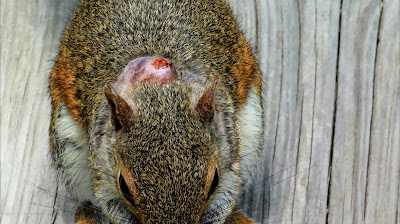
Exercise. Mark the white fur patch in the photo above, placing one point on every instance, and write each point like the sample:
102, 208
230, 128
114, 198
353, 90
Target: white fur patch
250, 130
76, 170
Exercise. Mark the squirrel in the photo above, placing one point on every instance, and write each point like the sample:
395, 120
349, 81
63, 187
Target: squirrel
156, 112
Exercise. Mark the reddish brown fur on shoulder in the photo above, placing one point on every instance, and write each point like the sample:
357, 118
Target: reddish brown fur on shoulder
63, 86
246, 72
239, 218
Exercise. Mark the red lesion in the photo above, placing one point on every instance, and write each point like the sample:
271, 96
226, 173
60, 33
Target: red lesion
160, 63
156, 70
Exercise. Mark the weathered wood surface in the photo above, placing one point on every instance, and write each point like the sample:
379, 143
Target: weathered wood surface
331, 98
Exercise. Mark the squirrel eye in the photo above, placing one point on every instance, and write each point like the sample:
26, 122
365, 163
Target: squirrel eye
117, 124
114, 118
214, 184
125, 190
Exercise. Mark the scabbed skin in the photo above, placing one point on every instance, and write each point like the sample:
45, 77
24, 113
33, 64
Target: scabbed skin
202, 43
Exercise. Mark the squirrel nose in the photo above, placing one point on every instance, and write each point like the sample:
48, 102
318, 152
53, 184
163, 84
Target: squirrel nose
153, 69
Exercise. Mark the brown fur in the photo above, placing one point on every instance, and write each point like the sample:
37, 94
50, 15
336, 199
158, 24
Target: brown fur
187, 144
63, 84
93, 52
239, 218
164, 149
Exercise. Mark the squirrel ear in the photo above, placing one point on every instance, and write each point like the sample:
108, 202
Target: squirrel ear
122, 112
205, 106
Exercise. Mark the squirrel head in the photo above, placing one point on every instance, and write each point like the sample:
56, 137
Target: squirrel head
164, 150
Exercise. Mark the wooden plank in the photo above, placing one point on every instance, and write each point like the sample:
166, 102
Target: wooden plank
318, 62
384, 152
29, 35
281, 187
358, 42
269, 47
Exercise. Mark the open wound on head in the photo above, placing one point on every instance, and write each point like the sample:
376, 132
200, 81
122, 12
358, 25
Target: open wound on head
153, 69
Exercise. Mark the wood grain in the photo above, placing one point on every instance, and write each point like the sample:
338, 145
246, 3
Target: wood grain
30, 32
359, 26
331, 80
